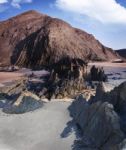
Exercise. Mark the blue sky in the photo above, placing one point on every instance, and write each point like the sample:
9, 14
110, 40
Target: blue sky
105, 19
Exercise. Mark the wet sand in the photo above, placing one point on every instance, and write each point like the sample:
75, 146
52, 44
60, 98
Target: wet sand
9, 76
12, 76
108, 64
116, 72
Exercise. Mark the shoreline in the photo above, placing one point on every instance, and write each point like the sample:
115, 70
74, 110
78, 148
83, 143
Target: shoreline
108, 64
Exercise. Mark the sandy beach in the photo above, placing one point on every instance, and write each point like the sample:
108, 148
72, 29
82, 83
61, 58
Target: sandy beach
48, 128
9, 76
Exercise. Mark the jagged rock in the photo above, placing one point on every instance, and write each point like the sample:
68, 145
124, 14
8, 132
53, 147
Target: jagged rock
25, 94
103, 120
78, 106
117, 97
43, 92
99, 123
67, 88
26, 102
69, 68
100, 90
97, 74
15, 88
55, 85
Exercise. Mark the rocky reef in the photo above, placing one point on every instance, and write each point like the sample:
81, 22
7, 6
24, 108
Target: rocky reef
66, 80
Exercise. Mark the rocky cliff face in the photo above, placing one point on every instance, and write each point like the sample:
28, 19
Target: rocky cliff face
33, 39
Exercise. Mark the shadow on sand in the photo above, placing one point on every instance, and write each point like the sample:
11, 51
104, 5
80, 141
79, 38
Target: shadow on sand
72, 127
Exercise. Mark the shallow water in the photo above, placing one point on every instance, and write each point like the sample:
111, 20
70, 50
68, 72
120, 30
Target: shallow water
116, 75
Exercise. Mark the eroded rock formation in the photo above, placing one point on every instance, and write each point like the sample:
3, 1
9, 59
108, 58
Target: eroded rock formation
102, 120
97, 74
66, 80
70, 68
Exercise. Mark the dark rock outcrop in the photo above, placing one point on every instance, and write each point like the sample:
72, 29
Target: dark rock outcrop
22, 102
62, 82
26, 102
102, 120
97, 74
35, 40
117, 97
70, 68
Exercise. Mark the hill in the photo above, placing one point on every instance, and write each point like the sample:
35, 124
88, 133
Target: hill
32, 39
122, 53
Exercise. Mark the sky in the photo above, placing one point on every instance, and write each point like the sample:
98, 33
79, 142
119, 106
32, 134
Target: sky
105, 19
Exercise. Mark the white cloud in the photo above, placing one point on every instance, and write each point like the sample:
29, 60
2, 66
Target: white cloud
3, 1
17, 3
105, 11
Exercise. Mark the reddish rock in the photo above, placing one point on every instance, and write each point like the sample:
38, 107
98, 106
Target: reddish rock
33, 40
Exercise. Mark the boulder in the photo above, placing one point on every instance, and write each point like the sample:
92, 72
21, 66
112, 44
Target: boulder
26, 102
